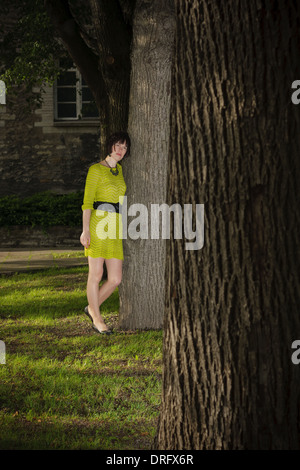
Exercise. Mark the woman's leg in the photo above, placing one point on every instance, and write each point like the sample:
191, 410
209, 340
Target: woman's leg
94, 278
114, 278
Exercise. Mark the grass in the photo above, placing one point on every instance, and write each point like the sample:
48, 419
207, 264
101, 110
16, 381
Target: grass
74, 254
63, 385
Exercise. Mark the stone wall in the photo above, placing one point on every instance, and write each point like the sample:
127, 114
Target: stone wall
39, 154
37, 237
36, 152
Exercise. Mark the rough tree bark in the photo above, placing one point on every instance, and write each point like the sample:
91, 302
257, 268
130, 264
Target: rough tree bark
142, 287
232, 308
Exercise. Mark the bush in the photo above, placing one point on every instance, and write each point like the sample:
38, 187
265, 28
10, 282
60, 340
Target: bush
42, 209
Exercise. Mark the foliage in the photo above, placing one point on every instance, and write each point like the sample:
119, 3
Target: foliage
29, 48
42, 209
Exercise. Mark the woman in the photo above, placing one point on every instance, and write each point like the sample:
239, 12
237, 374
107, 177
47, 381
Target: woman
102, 226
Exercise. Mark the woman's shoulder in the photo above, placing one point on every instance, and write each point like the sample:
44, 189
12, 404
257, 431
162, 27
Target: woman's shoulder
94, 168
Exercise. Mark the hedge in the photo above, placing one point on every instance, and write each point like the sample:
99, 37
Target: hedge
42, 209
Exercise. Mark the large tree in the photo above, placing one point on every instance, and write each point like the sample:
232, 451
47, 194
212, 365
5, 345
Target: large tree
232, 308
106, 69
143, 287
98, 36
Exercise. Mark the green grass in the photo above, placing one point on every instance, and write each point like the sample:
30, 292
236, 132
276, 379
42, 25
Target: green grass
73, 254
63, 385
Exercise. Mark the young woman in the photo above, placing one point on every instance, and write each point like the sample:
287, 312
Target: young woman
102, 226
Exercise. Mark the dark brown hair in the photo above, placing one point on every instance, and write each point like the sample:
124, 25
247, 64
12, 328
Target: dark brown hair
122, 137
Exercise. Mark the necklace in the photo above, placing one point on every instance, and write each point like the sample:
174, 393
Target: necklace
114, 171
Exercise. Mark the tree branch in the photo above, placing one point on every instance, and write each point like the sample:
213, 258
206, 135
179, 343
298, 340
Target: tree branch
85, 59
114, 36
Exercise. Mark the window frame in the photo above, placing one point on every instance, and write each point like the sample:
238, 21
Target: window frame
79, 102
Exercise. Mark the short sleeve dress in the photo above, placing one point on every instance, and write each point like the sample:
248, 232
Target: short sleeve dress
105, 227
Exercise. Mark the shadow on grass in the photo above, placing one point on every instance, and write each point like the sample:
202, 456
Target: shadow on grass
75, 434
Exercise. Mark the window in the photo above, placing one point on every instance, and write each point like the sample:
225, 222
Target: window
73, 98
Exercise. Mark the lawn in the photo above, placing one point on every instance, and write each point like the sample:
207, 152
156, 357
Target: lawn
64, 386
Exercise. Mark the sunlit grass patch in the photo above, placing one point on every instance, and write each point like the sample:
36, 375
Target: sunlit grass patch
64, 386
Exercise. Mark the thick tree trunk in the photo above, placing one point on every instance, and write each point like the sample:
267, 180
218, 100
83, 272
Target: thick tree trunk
232, 308
142, 288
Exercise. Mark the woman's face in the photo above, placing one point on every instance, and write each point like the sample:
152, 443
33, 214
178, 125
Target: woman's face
118, 151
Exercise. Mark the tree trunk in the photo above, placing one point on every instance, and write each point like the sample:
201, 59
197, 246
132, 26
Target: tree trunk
142, 288
232, 308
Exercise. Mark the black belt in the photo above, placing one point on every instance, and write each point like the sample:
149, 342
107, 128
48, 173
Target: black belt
107, 206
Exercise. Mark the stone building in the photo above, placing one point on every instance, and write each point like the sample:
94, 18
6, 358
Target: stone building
51, 147
46, 147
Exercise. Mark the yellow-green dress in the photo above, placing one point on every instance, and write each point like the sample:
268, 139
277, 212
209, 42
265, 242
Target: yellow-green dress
105, 227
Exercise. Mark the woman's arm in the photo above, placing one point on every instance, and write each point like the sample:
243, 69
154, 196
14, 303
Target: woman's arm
85, 238
87, 206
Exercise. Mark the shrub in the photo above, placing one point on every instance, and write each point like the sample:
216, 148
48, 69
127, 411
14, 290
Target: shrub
42, 209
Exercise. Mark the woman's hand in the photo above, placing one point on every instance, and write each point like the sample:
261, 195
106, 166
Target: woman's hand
85, 238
